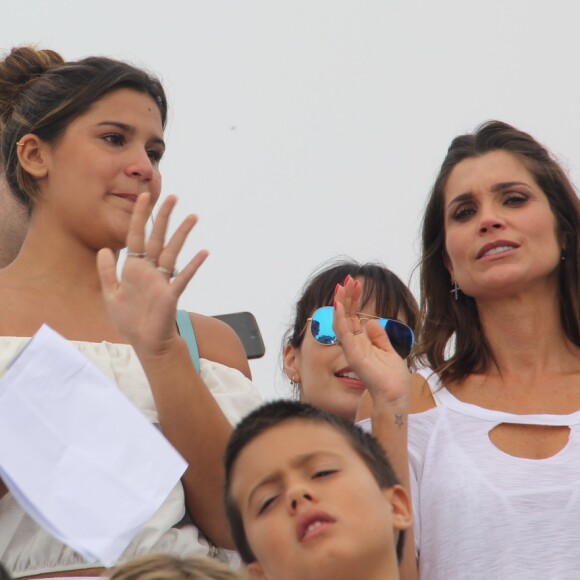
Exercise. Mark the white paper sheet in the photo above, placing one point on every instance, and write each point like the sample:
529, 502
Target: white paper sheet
76, 453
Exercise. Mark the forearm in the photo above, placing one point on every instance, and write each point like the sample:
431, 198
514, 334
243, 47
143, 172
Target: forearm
194, 424
390, 427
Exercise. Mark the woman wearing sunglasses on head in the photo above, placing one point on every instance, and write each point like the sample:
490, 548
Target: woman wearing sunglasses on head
493, 435
81, 147
313, 359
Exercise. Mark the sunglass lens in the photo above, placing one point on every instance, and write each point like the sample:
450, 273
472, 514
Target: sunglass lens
400, 335
321, 326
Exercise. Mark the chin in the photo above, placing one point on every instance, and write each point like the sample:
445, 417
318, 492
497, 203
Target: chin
348, 413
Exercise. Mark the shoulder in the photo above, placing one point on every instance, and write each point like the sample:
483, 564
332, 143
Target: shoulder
218, 342
421, 398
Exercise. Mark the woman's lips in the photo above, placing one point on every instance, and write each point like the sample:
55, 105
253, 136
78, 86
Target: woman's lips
349, 378
131, 197
496, 248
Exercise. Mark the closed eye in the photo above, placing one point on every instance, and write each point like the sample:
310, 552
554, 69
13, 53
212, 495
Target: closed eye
266, 504
324, 473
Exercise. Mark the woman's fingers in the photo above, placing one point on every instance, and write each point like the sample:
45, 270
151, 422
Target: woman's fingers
349, 296
378, 336
157, 253
156, 241
181, 281
107, 269
340, 322
136, 233
167, 258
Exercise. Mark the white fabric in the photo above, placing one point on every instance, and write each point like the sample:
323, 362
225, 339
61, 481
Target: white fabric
26, 549
481, 513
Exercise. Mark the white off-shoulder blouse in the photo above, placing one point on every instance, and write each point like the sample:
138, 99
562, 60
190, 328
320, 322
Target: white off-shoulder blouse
26, 549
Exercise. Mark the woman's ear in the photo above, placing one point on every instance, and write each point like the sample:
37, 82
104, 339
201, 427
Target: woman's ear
291, 364
402, 510
32, 155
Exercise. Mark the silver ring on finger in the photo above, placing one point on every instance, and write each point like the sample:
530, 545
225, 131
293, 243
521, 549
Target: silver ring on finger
170, 273
136, 255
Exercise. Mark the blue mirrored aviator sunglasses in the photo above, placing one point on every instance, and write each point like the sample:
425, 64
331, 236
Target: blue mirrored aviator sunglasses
400, 335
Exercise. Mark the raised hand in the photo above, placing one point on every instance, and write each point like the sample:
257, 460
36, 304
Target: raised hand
142, 304
368, 350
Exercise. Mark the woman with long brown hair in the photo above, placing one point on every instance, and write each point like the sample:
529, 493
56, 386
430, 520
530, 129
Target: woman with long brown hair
489, 439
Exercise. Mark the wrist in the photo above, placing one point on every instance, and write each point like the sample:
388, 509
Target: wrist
385, 405
165, 355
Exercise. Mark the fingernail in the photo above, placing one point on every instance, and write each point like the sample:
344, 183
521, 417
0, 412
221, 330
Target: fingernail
337, 288
334, 305
347, 279
357, 283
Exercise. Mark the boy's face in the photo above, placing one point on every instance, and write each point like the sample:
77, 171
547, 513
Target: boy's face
311, 507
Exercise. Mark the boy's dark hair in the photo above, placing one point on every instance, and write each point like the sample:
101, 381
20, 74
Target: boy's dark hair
275, 413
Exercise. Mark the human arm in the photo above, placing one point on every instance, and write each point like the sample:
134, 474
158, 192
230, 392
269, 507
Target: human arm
388, 382
218, 342
142, 306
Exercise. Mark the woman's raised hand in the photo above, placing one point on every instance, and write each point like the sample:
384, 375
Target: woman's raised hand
368, 350
142, 304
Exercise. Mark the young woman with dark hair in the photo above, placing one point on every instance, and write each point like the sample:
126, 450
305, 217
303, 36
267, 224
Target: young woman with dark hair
81, 147
313, 359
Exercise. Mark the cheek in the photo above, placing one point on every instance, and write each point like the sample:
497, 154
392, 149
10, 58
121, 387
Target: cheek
156, 187
453, 249
265, 540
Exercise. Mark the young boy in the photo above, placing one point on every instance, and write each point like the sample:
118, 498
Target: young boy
309, 495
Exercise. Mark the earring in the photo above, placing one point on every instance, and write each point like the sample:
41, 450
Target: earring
293, 380
455, 289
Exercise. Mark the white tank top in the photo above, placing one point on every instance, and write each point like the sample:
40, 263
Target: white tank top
483, 514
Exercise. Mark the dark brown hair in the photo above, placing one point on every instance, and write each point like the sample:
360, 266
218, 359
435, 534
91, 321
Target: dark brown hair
443, 317
42, 94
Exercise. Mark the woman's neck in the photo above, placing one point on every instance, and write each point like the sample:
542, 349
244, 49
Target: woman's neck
525, 333
56, 262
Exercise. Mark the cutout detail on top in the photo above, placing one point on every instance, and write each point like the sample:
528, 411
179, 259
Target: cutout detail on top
529, 441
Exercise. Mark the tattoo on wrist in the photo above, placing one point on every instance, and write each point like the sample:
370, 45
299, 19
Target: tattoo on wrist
399, 421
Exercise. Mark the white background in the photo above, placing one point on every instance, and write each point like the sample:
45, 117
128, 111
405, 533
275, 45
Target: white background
301, 130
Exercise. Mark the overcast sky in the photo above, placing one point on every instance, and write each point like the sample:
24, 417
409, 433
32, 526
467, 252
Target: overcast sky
307, 129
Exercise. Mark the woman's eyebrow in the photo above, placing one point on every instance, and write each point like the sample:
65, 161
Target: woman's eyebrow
460, 199
506, 185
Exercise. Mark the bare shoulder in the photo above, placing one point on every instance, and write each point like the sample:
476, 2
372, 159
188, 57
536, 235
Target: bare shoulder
421, 397
218, 342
